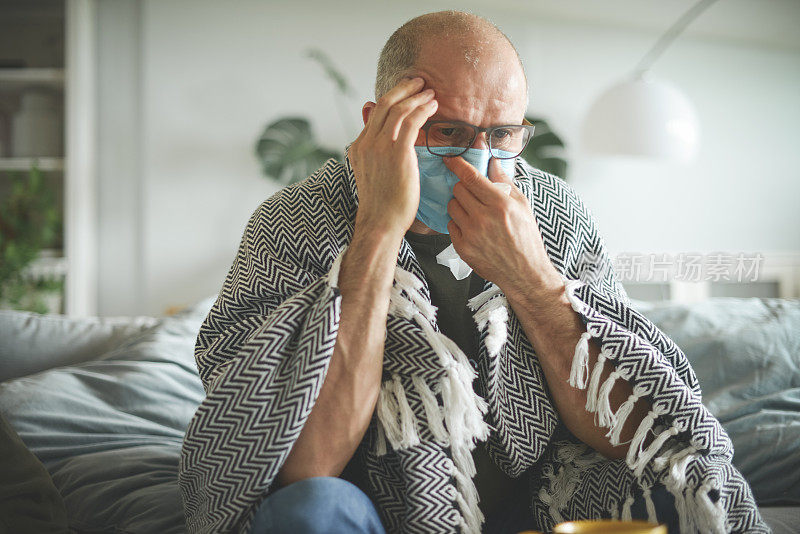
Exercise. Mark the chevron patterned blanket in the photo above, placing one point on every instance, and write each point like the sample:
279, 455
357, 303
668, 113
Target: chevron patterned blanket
263, 351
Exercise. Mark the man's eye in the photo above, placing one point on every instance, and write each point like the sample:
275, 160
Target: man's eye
449, 135
501, 134
448, 132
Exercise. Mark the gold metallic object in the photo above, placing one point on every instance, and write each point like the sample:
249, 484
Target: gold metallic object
609, 526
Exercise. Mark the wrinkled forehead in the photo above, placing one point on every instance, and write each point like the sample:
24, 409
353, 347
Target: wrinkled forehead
483, 84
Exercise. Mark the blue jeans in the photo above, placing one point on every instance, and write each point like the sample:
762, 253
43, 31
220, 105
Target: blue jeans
334, 505
325, 505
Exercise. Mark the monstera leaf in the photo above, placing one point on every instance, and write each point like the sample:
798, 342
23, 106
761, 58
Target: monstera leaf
545, 149
288, 151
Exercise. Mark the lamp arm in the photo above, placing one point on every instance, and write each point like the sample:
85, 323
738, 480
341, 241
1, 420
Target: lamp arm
669, 36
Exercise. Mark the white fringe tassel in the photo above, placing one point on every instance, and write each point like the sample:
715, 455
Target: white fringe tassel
614, 510
463, 411
626, 509
491, 308
389, 414
622, 414
548, 500
651, 507
594, 381
711, 516
580, 362
433, 411
333, 272
570, 287
467, 495
380, 445
635, 448
574, 458
675, 482
607, 418
645, 457
408, 421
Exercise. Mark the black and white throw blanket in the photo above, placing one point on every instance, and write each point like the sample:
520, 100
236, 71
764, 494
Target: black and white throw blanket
264, 348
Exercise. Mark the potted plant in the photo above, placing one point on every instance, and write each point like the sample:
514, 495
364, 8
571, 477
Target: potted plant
29, 223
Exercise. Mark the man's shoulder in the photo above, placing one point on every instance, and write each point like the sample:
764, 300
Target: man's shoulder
326, 196
566, 223
327, 184
545, 189
313, 214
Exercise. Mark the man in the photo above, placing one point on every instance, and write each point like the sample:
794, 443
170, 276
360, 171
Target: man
323, 345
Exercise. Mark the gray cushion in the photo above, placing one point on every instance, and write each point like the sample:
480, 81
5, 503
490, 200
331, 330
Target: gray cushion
31, 342
746, 353
782, 520
110, 430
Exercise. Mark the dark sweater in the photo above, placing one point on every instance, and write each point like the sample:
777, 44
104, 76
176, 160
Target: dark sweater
455, 321
454, 318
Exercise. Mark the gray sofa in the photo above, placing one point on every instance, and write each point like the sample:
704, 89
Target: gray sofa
103, 403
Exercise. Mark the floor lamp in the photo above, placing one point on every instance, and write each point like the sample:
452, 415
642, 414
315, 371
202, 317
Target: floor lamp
640, 116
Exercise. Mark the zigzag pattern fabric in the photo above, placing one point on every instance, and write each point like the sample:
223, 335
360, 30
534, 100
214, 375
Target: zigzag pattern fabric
264, 349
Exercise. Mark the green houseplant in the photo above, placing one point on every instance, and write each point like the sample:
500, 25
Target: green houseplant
545, 150
29, 222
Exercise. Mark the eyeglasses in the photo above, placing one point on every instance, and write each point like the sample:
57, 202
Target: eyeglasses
453, 138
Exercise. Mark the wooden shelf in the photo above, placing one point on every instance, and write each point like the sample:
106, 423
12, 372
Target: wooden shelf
45, 164
22, 77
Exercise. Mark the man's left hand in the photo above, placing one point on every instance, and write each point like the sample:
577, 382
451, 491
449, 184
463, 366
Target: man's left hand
496, 233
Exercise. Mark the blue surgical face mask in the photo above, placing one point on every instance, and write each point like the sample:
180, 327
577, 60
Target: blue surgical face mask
436, 182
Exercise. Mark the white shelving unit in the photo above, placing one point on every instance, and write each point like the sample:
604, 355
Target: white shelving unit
23, 77
71, 75
23, 164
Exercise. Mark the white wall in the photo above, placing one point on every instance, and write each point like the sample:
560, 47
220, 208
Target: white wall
212, 74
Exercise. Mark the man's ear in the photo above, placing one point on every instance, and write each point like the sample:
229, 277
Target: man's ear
366, 110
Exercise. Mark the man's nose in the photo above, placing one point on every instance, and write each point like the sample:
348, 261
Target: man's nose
480, 142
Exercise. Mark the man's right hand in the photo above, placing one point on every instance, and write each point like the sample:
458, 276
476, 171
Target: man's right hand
387, 177
384, 161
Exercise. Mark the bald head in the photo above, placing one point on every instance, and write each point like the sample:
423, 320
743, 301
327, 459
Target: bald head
466, 37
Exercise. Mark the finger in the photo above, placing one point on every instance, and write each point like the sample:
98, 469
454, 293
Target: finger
478, 184
394, 120
409, 128
467, 200
405, 88
496, 173
502, 181
456, 212
455, 233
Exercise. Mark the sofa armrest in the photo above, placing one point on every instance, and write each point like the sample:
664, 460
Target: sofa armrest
31, 342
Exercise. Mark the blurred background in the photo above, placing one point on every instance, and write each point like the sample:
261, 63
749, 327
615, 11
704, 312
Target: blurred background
142, 119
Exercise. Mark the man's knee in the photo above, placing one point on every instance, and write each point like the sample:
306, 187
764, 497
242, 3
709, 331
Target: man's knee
319, 504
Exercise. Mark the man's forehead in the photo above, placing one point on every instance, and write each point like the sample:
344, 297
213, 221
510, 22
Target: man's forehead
491, 72
474, 98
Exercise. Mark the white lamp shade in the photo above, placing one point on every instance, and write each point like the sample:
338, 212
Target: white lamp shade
641, 117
